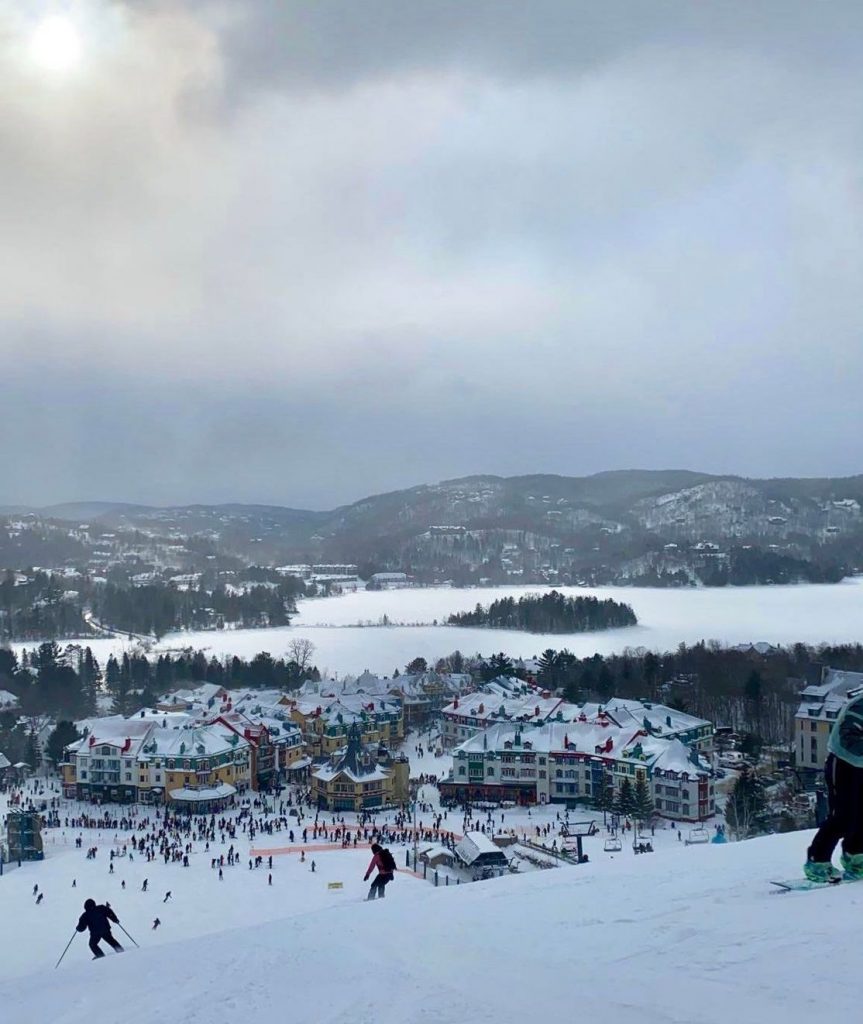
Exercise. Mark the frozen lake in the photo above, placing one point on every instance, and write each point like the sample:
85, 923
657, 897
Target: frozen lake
347, 641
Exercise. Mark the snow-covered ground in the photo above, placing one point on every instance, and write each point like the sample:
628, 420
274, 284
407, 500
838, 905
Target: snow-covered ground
808, 613
690, 935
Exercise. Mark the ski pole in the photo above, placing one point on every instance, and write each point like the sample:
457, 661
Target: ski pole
66, 950
123, 930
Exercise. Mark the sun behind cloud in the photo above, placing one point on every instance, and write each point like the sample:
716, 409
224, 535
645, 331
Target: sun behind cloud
56, 44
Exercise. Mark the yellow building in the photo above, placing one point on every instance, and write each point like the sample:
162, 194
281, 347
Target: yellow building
179, 762
325, 722
820, 704
358, 778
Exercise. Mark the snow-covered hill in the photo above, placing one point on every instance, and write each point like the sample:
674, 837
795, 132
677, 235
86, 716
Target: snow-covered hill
692, 935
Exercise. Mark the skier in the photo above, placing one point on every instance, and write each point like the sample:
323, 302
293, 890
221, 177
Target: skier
98, 919
144, 886
156, 924
167, 896
384, 861
39, 898
843, 771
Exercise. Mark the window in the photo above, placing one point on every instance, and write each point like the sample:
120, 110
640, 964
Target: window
812, 726
489, 771
541, 773
128, 776
106, 751
686, 808
542, 760
461, 769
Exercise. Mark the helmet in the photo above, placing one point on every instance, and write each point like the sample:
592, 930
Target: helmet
89, 904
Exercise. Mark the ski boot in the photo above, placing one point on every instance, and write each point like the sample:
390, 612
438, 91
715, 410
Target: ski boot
820, 871
852, 865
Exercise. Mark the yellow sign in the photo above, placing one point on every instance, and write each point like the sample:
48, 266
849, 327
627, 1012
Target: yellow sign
335, 885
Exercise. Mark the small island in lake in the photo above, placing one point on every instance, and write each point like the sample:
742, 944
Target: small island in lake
549, 613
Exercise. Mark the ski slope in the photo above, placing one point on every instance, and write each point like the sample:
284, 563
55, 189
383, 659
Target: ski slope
691, 935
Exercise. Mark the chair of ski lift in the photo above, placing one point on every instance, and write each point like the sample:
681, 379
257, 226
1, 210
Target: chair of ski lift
613, 845
698, 835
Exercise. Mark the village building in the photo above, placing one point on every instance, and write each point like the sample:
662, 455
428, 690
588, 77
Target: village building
580, 762
820, 704
360, 777
325, 722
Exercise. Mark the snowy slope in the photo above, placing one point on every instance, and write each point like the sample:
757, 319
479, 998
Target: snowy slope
691, 935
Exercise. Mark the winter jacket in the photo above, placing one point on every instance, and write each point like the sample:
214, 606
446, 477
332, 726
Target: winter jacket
98, 920
377, 862
846, 738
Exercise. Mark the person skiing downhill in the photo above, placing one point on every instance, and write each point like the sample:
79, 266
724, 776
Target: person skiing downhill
98, 919
383, 860
843, 771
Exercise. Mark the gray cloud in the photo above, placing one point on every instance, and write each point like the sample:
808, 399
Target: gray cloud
300, 252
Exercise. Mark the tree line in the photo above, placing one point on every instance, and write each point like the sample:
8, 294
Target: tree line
71, 684
39, 604
549, 613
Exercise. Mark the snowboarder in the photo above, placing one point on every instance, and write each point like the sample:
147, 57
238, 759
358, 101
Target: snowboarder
144, 886
156, 924
39, 898
167, 896
98, 919
384, 861
843, 771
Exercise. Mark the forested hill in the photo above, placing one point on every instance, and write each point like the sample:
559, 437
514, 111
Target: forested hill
549, 613
656, 528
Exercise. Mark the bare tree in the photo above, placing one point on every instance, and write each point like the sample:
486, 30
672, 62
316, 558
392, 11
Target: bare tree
301, 650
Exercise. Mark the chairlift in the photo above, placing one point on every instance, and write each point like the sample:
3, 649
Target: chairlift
613, 845
698, 835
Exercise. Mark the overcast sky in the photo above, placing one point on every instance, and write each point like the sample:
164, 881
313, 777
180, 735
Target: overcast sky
300, 252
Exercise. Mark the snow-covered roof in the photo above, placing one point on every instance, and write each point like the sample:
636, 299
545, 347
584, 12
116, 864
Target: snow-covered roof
188, 795
477, 846
826, 699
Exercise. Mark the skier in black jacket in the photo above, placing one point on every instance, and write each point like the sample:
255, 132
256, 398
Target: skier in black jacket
98, 919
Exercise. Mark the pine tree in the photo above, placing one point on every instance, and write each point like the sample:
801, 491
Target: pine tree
625, 803
60, 738
643, 801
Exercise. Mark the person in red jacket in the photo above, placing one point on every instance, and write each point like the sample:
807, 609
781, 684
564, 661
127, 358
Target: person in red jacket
383, 860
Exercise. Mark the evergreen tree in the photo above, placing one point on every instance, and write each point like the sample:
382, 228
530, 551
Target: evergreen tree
624, 805
60, 738
643, 801
603, 798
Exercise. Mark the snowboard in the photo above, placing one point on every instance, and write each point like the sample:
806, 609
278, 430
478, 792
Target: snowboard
804, 885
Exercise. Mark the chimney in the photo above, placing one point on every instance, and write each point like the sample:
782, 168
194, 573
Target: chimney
536, 710
482, 709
